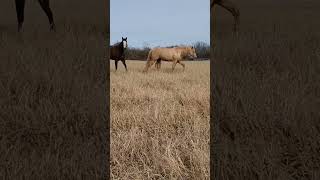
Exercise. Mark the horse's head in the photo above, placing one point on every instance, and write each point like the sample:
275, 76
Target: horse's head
192, 52
125, 42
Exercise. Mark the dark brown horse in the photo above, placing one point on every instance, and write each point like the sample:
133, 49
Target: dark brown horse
117, 52
44, 5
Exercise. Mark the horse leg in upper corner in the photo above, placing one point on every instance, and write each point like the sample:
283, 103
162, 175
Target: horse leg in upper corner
182, 64
116, 64
124, 63
228, 5
46, 7
20, 12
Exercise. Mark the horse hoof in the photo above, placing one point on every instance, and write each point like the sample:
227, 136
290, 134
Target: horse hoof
19, 28
53, 28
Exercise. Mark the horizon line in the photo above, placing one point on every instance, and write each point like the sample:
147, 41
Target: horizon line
150, 45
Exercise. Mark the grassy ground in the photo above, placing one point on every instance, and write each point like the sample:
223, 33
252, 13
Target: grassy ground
160, 121
53, 93
269, 82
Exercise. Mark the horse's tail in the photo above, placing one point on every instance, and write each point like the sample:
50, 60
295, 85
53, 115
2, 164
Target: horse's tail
149, 55
148, 61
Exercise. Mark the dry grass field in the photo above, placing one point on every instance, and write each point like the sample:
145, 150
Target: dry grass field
160, 121
53, 113
269, 81
53, 97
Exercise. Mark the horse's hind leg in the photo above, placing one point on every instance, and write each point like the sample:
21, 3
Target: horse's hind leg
45, 6
124, 63
158, 64
20, 12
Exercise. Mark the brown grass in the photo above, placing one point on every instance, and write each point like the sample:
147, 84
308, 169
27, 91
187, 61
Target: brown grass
160, 122
53, 92
269, 82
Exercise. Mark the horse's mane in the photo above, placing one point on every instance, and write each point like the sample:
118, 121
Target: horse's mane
171, 46
182, 47
178, 46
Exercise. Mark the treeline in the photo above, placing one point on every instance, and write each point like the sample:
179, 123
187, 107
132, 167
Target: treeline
202, 50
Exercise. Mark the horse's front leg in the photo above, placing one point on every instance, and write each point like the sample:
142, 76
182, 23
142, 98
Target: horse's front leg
116, 64
182, 64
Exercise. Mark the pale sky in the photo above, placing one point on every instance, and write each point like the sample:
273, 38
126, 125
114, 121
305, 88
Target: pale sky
159, 22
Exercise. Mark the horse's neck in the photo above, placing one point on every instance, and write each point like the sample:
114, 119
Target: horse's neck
183, 52
120, 44
122, 48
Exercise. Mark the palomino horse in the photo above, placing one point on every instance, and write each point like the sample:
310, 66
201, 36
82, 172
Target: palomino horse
175, 54
44, 5
117, 52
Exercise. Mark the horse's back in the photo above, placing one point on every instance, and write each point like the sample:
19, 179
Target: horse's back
170, 54
167, 54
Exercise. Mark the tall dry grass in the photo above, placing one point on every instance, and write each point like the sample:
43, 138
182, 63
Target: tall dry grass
269, 82
53, 112
160, 122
